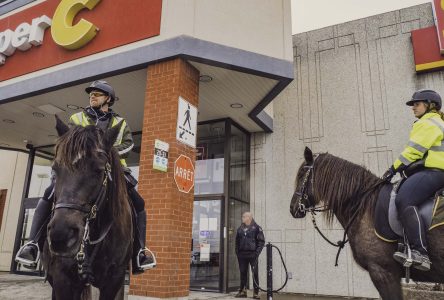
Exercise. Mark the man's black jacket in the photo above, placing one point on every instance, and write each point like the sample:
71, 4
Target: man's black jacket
249, 239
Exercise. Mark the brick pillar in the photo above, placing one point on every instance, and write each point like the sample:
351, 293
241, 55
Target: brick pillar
169, 211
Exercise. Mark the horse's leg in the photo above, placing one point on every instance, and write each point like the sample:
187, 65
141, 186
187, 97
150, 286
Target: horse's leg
112, 286
387, 281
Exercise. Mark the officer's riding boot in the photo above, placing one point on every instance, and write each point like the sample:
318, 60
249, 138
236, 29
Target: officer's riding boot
414, 229
143, 258
28, 255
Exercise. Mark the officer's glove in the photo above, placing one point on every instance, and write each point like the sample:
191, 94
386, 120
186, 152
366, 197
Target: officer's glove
388, 175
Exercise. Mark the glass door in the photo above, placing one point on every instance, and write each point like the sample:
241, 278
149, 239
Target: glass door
206, 254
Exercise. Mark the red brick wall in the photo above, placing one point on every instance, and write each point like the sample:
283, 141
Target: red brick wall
2, 205
169, 211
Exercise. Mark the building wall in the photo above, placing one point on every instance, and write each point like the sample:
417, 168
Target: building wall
12, 178
351, 83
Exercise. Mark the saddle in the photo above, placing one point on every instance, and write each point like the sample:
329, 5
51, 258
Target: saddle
387, 224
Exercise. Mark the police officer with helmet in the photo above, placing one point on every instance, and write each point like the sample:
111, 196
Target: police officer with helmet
425, 148
101, 97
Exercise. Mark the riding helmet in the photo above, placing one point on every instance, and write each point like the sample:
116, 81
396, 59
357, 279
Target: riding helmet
429, 96
104, 87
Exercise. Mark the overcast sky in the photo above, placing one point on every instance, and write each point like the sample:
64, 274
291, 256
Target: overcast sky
313, 14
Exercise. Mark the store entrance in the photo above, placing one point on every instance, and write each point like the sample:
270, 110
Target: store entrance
221, 195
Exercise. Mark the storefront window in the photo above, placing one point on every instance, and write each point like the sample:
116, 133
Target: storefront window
209, 177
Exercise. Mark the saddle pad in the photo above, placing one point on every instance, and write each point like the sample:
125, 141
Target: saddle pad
381, 219
387, 224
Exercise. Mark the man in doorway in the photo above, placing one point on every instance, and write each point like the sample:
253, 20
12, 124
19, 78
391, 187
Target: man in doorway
250, 241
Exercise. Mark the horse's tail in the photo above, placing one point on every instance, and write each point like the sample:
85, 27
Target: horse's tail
86, 293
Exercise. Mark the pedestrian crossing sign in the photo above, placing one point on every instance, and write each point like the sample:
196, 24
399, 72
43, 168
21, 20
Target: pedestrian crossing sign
186, 123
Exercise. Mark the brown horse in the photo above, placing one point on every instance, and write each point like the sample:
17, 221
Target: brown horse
350, 192
89, 236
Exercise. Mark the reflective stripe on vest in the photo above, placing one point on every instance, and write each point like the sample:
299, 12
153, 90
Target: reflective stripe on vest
81, 119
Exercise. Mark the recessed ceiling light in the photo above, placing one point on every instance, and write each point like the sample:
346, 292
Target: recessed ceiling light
205, 78
9, 121
73, 106
236, 105
38, 115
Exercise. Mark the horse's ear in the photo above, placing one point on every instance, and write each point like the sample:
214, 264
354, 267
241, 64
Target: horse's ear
308, 155
111, 135
61, 127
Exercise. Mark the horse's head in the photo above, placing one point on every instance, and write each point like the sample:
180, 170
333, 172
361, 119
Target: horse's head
81, 168
303, 198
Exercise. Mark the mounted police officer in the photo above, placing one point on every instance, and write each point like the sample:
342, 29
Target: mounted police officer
250, 241
101, 97
425, 147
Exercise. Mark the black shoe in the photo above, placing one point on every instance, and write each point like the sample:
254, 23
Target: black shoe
421, 261
241, 294
28, 255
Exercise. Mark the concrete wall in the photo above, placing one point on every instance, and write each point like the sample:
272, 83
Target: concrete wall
12, 176
351, 83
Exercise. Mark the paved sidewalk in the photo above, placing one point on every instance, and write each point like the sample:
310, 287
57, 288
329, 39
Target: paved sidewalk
18, 287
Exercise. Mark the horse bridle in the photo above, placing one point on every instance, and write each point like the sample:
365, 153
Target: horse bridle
312, 208
302, 194
91, 212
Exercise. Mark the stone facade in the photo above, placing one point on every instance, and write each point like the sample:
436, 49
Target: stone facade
351, 83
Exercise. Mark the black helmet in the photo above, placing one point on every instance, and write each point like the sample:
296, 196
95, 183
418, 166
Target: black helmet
105, 87
429, 96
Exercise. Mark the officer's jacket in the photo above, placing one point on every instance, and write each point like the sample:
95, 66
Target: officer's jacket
426, 140
250, 239
124, 141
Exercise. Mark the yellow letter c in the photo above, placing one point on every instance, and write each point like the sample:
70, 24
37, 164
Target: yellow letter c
70, 36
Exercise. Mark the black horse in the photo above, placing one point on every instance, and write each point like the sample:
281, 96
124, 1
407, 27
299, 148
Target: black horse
89, 236
349, 192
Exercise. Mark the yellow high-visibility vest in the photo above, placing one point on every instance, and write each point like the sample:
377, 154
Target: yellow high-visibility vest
426, 137
81, 119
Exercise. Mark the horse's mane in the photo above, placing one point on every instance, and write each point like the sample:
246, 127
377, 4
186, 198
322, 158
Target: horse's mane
340, 184
86, 141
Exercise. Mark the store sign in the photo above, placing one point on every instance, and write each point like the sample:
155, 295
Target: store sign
63, 32
428, 43
78, 28
23, 37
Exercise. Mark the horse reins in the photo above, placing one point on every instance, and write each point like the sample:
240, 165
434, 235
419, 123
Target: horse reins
312, 209
83, 261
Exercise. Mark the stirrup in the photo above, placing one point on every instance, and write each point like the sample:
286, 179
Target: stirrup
147, 266
26, 262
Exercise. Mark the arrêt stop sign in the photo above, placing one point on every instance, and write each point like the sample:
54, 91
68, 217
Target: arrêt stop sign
184, 173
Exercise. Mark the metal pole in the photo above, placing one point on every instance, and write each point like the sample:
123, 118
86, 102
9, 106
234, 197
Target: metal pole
269, 271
